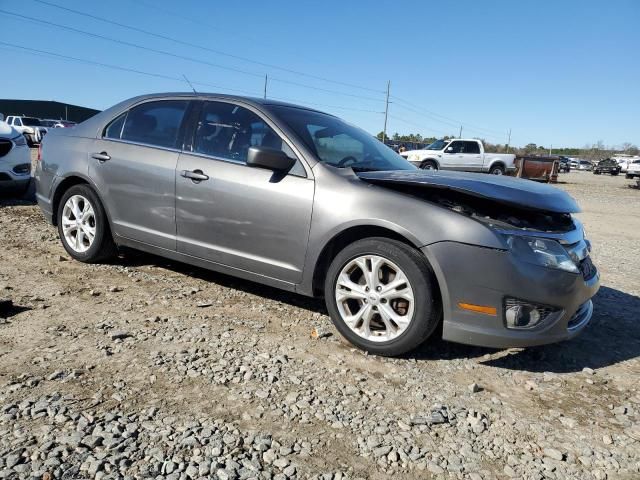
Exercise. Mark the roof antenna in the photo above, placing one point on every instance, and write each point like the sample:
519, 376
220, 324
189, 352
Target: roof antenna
185, 77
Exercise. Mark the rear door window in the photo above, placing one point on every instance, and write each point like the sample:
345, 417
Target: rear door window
114, 129
471, 147
154, 123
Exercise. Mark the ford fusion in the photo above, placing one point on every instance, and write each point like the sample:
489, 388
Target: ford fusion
303, 201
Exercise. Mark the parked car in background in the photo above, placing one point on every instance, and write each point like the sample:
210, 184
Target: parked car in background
607, 165
30, 127
230, 183
624, 161
633, 170
51, 123
460, 154
564, 164
15, 160
584, 165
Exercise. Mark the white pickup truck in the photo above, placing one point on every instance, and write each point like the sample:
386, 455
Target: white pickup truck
461, 154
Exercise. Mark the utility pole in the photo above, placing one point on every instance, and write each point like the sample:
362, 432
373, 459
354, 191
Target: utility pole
460, 136
509, 141
66, 112
386, 112
266, 79
550, 149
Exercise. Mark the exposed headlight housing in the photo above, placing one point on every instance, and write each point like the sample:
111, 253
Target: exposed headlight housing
541, 251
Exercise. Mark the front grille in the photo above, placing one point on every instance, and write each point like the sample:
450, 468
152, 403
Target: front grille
587, 268
4, 177
5, 146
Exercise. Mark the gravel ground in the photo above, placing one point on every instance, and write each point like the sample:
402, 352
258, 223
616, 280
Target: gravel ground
145, 368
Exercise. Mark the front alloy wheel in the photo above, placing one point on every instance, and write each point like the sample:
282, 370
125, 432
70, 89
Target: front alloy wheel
374, 298
382, 296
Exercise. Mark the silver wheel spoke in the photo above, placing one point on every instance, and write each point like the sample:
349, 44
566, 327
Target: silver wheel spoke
382, 308
350, 289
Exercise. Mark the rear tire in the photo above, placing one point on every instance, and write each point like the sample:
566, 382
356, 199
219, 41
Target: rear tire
83, 226
497, 170
366, 307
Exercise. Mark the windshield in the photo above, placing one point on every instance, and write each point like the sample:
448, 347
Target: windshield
31, 122
438, 145
339, 144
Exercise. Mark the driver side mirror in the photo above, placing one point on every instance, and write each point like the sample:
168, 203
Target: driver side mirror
270, 158
449, 149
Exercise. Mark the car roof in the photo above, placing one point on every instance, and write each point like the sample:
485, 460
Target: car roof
267, 102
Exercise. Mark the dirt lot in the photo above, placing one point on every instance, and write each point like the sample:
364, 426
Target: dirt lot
145, 368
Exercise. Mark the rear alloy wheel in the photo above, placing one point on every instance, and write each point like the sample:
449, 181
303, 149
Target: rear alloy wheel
379, 293
429, 165
497, 170
83, 226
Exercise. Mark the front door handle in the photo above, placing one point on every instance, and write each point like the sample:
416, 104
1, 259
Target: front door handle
195, 175
102, 156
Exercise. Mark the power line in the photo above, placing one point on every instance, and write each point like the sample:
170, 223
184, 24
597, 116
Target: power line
400, 102
59, 56
182, 57
174, 14
422, 127
447, 120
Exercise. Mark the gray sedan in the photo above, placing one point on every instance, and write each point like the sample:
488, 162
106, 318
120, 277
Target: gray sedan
300, 200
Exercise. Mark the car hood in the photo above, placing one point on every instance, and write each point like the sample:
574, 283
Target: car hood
525, 194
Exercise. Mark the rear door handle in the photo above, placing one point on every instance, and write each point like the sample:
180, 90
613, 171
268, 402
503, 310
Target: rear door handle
195, 175
102, 156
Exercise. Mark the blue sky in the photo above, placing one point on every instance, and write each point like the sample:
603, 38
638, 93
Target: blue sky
565, 73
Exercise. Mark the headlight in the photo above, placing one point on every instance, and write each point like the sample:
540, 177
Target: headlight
20, 141
542, 251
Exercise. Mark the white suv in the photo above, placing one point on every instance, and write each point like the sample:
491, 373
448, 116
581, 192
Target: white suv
633, 169
30, 127
15, 160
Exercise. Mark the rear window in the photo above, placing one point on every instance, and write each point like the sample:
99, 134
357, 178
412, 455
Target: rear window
31, 122
152, 123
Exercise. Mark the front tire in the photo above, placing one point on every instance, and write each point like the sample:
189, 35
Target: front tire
83, 226
429, 165
381, 296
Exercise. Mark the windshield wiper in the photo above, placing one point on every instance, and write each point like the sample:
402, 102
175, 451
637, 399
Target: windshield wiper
364, 169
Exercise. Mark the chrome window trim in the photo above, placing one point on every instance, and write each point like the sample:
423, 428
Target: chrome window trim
140, 144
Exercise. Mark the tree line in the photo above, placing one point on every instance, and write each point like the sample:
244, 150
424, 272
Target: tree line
593, 151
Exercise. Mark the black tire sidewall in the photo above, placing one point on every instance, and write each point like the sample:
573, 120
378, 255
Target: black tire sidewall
425, 163
96, 251
427, 310
496, 168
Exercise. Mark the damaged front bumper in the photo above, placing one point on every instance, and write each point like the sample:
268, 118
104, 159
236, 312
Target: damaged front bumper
473, 275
